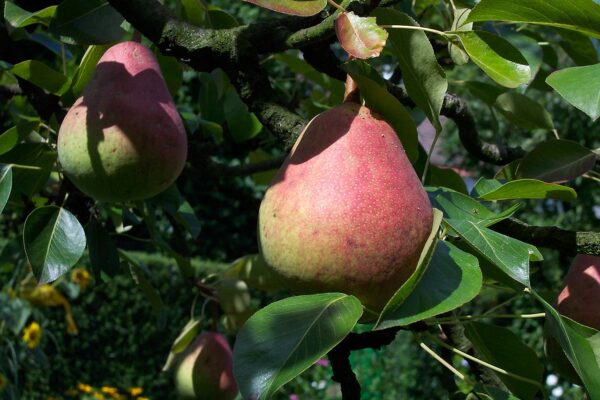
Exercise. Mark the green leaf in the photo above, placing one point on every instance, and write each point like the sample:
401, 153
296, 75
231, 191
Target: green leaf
579, 86
492, 393
447, 177
504, 349
424, 259
510, 255
423, 77
579, 47
141, 277
578, 15
458, 55
489, 189
522, 111
187, 334
220, 19
452, 279
302, 8
243, 125
459, 206
499, 59
172, 71
39, 158
285, 338
20, 18
87, 22
580, 343
104, 257
5, 185
253, 270
41, 75
557, 161
194, 11
86, 68
484, 91
54, 241
10, 138
361, 37
380, 100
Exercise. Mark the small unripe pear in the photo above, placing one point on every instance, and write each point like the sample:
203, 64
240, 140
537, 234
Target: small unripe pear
205, 369
346, 211
233, 296
123, 138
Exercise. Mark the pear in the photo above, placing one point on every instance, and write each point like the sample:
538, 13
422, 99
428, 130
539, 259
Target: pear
578, 300
205, 369
346, 211
123, 138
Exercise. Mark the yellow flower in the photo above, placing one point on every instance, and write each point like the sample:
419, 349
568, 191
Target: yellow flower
109, 390
98, 396
84, 388
142, 398
135, 391
81, 277
32, 335
3, 382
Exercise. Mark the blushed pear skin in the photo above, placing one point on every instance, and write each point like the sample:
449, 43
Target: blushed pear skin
346, 212
123, 139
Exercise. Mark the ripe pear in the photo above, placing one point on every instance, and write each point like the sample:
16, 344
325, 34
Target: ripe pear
578, 300
346, 211
205, 369
123, 138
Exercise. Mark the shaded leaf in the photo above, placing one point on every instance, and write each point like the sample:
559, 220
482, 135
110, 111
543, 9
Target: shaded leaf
104, 257
458, 55
54, 241
41, 75
243, 125
522, 111
579, 47
303, 8
5, 184
579, 86
86, 68
361, 37
484, 91
20, 18
285, 338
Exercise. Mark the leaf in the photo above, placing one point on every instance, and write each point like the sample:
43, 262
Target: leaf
380, 100
501, 347
5, 185
361, 37
141, 278
10, 138
187, 334
423, 77
522, 111
285, 338
28, 181
499, 59
172, 71
557, 161
41, 75
484, 91
86, 68
523, 189
579, 86
20, 18
447, 177
253, 270
580, 343
104, 257
458, 55
220, 19
54, 241
195, 12
452, 279
424, 259
457, 206
87, 22
302, 8
243, 125
510, 255
579, 15
579, 47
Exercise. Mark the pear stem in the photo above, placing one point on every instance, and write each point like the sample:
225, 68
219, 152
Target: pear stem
137, 36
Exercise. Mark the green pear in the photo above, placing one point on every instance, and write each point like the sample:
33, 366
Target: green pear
123, 139
205, 369
578, 300
233, 296
346, 211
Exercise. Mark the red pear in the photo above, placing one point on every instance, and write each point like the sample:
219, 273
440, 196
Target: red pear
123, 138
346, 211
205, 370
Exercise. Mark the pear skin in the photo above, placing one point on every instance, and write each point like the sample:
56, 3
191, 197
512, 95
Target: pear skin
346, 211
123, 139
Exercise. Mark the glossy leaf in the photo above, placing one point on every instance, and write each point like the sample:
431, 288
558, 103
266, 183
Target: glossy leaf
41, 75
186, 336
510, 255
12, 137
579, 15
104, 257
20, 18
361, 37
5, 184
424, 259
87, 22
380, 100
459, 206
458, 55
501, 347
557, 161
499, 59
579, 86
243, 125
303, 8
28, 181
489, 189
580, 343
452, 279
522, 111
285, 338
423, 77
54, 241
579, 47
86, 68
